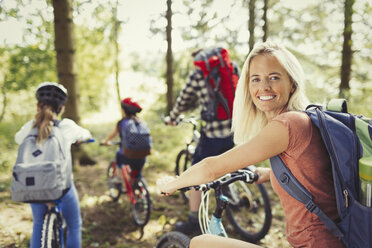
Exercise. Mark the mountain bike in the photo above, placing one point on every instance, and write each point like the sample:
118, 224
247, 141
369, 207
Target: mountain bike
184, 157
54, 229
249, 211
213, 224
135, 189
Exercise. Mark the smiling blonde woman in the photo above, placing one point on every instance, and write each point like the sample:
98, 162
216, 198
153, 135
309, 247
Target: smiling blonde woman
268, 121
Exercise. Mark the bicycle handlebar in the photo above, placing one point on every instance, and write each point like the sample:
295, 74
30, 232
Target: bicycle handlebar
241, 175
110, 143
78, 142
192, 120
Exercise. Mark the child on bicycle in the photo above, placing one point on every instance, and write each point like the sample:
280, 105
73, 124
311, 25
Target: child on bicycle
129, 110
51, 98
268, 121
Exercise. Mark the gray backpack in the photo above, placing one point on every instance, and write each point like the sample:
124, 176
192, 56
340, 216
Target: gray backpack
41, 172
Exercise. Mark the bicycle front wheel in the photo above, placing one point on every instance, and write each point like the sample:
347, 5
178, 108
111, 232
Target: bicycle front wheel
113, 182
173, 240
142, 208
183, 162
50, 236
249, 210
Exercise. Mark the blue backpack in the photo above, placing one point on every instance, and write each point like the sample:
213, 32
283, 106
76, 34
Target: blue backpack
347, 138
136, 140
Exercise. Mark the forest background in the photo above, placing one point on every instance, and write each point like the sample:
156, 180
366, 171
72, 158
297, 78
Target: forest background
105, 50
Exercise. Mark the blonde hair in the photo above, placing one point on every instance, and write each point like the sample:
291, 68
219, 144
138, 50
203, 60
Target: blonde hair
44, 121
248, 120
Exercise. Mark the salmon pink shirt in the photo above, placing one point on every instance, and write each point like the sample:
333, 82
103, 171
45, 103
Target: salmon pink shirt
308, 160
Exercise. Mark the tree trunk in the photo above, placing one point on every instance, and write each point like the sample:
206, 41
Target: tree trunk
66, 67
264, 18
5, 100
347, 52
65, 49
116, 44
251, 23
169, 57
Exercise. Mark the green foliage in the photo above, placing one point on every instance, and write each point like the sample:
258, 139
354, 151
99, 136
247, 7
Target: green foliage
183, 66
94, 66
360, 104
95, 38
8, 147
313, 34
29, 66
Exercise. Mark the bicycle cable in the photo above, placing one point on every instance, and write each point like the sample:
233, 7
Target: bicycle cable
204, 205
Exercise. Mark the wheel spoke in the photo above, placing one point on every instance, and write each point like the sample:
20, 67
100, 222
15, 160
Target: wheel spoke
141, 209
251, 217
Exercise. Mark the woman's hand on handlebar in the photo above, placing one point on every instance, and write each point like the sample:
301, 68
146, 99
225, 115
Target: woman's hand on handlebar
105, 143
110, 143
168, 121
164, 185
263, 174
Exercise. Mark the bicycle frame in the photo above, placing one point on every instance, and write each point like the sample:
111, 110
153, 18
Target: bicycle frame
195, 133
215, 225
126, 173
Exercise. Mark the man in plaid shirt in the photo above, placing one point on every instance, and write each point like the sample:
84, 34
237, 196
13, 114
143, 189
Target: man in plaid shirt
216, 137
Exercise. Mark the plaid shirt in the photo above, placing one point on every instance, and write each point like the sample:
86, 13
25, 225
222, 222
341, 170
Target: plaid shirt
196, 86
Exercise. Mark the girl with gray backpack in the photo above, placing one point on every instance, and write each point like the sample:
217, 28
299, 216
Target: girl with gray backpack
45, 142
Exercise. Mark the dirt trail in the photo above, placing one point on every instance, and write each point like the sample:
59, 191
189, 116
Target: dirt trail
109, 224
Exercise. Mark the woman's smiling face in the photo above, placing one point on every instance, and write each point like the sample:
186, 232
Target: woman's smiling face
269, 85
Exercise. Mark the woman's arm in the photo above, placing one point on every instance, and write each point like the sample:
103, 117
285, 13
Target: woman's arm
263, 174
209, 240
72, 132
272, 140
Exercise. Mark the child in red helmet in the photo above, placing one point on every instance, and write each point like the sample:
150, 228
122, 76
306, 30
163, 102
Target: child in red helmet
129, 109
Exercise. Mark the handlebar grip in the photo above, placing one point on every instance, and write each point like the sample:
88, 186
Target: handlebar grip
162, 117
185, 189
255, 177
251, 177
196, 187
79, 142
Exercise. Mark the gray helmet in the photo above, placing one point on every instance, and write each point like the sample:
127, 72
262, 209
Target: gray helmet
52, 94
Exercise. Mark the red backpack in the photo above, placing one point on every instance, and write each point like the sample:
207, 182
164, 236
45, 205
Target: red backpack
221, 80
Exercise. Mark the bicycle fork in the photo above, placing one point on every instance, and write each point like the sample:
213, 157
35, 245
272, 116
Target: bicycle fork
56, 208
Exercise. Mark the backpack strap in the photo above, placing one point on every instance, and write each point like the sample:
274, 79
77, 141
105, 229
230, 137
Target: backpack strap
56, 122
56, 132
216, 90
300, 193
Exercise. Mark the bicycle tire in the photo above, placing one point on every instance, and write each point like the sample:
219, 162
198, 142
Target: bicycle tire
114, 187
141, 210
251, 225
173, 240
183, 162
50, 233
